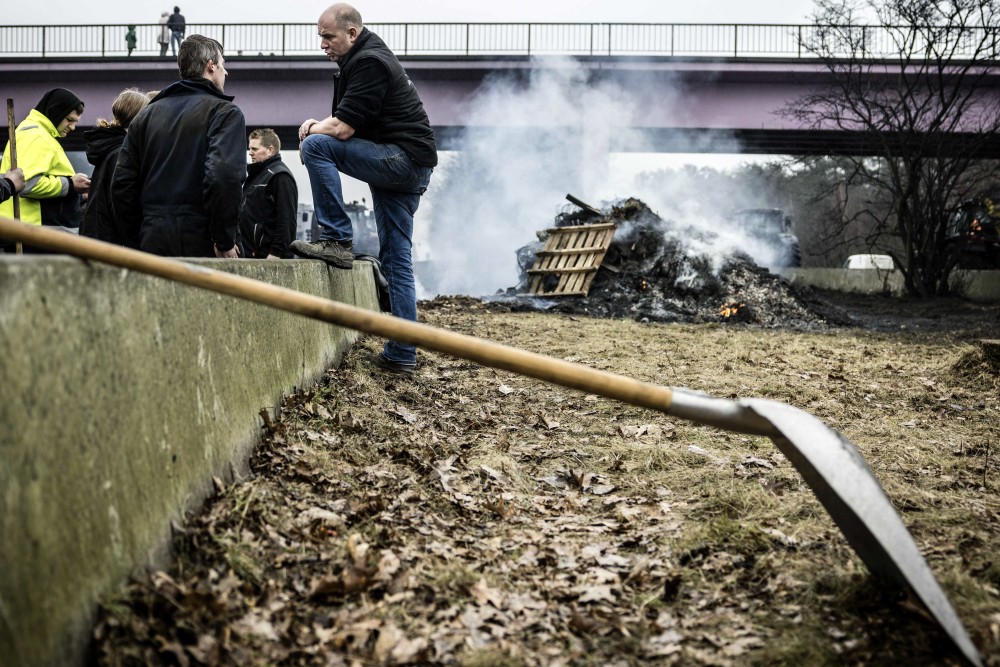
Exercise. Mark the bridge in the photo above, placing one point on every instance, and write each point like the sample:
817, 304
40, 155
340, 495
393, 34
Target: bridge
683, 87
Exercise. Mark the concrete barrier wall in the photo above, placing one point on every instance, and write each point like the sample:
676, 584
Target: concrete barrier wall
983, 286
122, 395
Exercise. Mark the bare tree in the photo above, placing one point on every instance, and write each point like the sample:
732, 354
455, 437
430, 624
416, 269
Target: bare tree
920, 89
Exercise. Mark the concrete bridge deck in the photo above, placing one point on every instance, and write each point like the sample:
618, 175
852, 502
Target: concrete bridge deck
679, 105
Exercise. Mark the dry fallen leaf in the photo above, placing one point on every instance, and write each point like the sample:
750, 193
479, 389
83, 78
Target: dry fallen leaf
253, 625
483, 593
320, 516
404, 414
597, 594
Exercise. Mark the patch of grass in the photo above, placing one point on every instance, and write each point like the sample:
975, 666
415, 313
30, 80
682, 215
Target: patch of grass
454, 577
489, 658
796, 647
246, 560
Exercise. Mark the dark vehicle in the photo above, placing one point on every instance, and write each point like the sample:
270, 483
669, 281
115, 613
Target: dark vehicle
973, 234
772, 225
365, 230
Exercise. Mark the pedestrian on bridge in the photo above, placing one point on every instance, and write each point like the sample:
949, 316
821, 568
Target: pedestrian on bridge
164, 37
378, 133
181, 168
130, 39
177, 26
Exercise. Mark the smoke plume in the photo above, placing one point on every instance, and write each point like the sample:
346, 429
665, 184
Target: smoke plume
530, 140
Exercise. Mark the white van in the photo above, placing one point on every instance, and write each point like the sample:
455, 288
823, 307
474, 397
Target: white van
882, 262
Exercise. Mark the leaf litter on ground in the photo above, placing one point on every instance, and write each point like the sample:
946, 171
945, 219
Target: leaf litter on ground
470, 516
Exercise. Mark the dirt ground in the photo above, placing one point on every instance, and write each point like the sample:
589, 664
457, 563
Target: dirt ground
470, 516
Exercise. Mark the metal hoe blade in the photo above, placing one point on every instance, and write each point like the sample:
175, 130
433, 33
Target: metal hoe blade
847, 488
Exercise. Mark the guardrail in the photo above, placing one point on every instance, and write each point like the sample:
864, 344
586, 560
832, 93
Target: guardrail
466, 39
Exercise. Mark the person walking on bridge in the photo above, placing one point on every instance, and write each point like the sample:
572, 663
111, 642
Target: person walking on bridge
181, 168
378, 133
164, 37
178, 26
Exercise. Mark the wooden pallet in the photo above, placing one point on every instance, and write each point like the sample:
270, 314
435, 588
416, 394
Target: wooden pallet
566, 266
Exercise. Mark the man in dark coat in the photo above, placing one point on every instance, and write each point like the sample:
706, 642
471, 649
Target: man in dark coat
270, 201
378, 133
180, 171
177, 26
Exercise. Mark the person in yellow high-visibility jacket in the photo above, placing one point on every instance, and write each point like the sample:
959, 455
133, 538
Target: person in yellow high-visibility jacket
52, 188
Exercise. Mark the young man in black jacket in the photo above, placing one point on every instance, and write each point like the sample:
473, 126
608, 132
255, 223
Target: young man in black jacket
270, 201
181, 168
378, 133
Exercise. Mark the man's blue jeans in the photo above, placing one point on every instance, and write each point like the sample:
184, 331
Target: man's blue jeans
396, 184
176, 37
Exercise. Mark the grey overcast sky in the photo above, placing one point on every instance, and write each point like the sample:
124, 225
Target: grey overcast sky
426, 11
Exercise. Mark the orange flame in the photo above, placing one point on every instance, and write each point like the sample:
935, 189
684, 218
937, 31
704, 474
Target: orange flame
730, 309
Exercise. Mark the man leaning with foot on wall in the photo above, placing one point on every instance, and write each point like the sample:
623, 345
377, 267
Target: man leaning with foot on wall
379, 133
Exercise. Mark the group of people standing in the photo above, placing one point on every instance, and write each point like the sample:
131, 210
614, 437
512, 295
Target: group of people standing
171, 32
170, 177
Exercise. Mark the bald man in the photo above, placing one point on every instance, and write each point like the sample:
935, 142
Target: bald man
378, 133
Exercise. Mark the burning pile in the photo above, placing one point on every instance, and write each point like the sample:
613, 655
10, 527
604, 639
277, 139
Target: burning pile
651, 272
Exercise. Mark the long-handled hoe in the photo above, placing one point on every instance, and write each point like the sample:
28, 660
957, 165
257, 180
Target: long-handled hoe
12, 139
830, 464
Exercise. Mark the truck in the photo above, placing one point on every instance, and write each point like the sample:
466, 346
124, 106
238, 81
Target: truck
362, 219
973, 235
772, 225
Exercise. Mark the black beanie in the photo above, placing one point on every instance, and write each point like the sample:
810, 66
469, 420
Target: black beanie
57, 103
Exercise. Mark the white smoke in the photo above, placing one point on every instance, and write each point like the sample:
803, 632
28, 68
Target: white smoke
530, 142
527, 145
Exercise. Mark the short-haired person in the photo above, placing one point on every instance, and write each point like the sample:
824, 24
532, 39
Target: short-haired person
103, 145
177, 26
52, 189
270, 200
181, 168
11, 183
378, 133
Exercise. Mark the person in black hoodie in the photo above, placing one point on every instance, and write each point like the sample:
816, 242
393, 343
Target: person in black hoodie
103, 144
180, 171
270, 200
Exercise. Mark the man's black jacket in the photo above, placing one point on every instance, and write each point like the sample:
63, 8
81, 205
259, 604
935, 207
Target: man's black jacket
268, 210
374, 95
183, 161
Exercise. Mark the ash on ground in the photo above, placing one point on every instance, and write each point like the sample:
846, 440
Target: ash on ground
653, 271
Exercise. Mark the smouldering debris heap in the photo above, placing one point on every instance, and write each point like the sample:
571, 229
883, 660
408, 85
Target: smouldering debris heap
652, 273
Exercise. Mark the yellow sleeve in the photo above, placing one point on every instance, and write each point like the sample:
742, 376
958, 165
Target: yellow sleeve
44, 164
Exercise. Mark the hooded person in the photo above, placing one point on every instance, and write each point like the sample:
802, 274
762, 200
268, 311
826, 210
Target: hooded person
164, 35
52, 189
103, 144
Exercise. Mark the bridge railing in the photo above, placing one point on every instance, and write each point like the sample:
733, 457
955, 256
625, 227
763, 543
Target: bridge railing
472, 39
